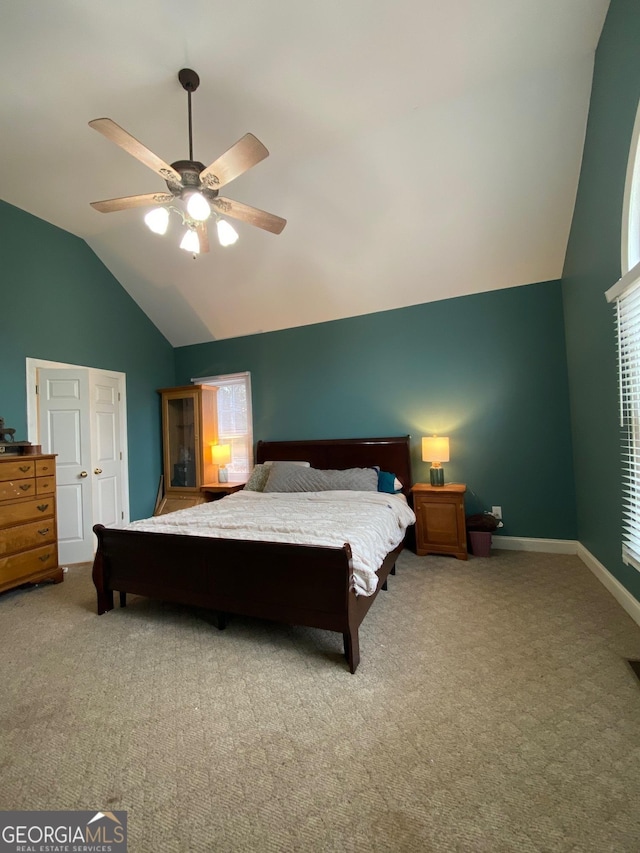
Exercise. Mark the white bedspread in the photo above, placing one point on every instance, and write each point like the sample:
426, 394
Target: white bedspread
373, 523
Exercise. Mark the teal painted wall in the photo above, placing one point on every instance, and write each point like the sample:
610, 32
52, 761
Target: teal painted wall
488, 370
592, 265
59, 302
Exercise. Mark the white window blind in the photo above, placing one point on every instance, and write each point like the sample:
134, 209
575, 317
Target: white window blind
626, 298
235, 423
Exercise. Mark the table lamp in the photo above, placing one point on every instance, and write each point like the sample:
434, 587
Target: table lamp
435, 449
220, 456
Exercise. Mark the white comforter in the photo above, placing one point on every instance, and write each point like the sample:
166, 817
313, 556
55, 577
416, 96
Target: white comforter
373, 523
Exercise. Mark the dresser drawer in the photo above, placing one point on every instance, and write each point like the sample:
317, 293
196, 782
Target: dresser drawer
12, 489
27, 536
45, 486
28, 510
18, 470
18, 566
45, 467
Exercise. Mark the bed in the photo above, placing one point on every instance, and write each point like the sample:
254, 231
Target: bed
299, 584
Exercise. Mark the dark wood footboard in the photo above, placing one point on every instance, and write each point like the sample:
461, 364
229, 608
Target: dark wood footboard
296, 584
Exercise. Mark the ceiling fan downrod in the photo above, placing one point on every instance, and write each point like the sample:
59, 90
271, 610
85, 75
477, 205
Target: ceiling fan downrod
190, 82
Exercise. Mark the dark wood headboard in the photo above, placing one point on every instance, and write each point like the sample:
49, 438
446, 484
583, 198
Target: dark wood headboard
389, 454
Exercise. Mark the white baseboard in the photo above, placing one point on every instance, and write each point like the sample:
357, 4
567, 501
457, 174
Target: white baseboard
571, 546
525, 543
617, 590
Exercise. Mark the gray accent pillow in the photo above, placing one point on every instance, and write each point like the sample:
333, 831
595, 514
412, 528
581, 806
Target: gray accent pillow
295, 479
260, 474
286, 462
258, 479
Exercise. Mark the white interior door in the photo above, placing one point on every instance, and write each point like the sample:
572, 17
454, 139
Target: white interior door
65, 429
79, 413
105, 443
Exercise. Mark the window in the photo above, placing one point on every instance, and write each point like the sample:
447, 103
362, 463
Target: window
235, 424
625, 295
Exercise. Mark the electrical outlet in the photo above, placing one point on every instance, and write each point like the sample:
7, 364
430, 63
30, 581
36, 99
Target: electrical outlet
497, 511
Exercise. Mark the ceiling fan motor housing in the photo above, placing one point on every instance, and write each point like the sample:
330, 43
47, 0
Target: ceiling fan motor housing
189, 171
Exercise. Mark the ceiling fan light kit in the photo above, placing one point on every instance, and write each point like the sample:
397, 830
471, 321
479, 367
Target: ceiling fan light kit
193, 188
157, 220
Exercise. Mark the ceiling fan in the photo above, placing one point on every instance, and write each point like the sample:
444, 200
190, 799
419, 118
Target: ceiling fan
191, 182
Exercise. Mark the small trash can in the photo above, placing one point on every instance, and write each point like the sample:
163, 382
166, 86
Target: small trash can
480, 542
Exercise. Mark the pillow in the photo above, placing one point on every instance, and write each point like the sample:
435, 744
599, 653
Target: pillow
260, 474
279, 462
388, 482
296, 479
258, 479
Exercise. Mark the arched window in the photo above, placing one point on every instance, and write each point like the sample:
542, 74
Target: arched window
625, 296
631, 206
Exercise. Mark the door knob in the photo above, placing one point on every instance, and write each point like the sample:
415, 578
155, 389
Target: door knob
83, 473
97, 470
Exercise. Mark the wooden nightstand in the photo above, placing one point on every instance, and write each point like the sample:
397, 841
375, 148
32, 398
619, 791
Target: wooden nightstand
215, 491
440, 519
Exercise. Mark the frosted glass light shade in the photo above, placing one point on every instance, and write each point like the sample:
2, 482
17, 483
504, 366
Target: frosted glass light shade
190, 242
435, 448
198, 207
227, 234
157, 220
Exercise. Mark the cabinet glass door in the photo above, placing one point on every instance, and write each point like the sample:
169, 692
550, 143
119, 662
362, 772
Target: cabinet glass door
181, 428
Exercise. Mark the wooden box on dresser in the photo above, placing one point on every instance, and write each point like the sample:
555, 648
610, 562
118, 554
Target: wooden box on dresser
28, 530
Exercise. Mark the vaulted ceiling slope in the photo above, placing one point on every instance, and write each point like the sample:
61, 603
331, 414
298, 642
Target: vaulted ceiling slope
419, 149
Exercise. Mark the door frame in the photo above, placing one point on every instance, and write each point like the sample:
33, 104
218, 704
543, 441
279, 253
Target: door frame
32, 367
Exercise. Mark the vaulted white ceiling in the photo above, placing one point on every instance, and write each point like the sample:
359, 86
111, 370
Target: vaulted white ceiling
420, 149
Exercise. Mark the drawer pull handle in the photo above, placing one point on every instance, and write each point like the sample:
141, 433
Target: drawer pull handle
43, 531
44, 558
25, 468
42, 507
25, 487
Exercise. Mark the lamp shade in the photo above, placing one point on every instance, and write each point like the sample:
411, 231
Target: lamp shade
220, 454
435, 448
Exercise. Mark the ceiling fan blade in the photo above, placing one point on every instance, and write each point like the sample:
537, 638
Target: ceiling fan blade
203, 237
267, 221
238, 159
127, 202
131, 145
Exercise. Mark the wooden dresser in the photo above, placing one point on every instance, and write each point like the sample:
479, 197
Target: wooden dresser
28, 532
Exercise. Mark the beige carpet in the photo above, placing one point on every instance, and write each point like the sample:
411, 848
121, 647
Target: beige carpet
493, 710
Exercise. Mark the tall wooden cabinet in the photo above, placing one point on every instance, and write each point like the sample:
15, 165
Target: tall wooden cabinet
28, 531
189, 428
